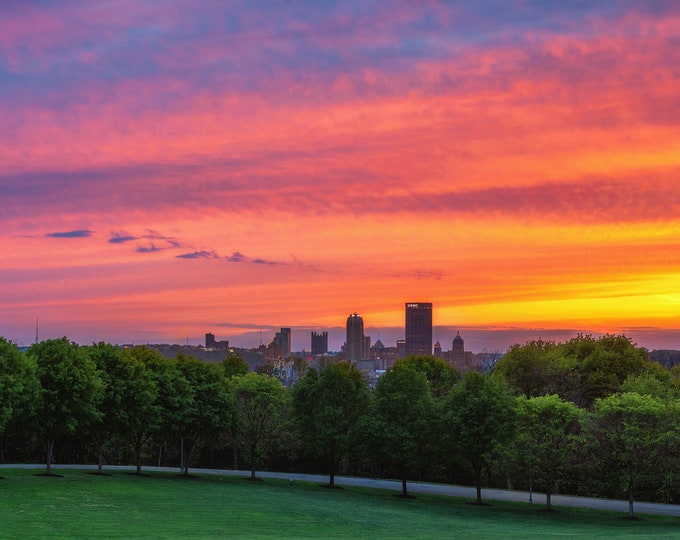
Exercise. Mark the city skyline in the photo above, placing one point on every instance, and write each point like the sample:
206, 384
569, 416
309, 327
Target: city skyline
168, 169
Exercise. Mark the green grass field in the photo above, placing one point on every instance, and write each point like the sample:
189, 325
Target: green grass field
81, 505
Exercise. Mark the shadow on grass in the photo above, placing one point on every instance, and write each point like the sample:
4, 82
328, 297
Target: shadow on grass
138, 475
328, 486
251, 479
402, 496
97, 473
479, 504
51, 475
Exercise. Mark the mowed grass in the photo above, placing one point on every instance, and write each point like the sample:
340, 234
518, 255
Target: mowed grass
81, 505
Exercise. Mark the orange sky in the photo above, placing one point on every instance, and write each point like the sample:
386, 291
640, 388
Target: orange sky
167, 171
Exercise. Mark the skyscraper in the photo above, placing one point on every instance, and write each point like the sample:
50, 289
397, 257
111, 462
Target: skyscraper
458, 351
418, 328
354, 345
319, 343
282, 340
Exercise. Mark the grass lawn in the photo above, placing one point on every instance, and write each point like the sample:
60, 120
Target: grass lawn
81, 505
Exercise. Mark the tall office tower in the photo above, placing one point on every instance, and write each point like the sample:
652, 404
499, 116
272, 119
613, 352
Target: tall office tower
418, 328
319, 343
458, 351
354, 345
282, 340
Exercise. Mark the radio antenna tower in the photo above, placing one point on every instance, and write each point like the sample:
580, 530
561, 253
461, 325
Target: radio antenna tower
36, 330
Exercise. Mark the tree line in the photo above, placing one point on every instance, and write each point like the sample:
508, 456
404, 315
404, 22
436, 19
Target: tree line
589, 416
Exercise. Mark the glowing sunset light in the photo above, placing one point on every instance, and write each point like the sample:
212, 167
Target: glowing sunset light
168, 169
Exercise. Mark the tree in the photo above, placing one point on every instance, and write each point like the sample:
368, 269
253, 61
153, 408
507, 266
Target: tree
327, 407
18, 386
261, 411
127, 404
161, 416
627, 429
397, 428
70, 390
478, 416
532, 369
211, 410
440, 375
602, 365
234, 365
547, 433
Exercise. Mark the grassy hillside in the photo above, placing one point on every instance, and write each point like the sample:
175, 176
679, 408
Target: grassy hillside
81, 505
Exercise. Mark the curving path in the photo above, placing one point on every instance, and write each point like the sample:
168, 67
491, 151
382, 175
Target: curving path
413, 487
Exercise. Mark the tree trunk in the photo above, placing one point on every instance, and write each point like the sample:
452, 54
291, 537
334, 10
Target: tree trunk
404, 493
100, 464
234, 457
138, 458
548, 503
187, 453
50, 454
331, 479
631, 512
478, 484
252, 462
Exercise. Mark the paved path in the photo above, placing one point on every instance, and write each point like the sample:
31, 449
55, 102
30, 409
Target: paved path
413, 487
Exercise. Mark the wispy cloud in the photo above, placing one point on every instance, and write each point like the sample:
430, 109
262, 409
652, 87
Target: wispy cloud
199, 255
79, 233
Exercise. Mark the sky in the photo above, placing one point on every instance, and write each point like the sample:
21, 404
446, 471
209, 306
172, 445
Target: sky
171, 168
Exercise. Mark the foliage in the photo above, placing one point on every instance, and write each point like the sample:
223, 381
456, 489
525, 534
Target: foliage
261, 413
400, 419
548, 429
234, 365
128, 402
440, 375
18, 384
478, 416
211, 409
532, 369
70, 390
327, 407
626, 428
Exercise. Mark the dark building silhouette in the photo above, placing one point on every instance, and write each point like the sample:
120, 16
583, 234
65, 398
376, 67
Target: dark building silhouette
458, 351
280, 345
437, 350
210, 342
319, 343
355, 343
418, 328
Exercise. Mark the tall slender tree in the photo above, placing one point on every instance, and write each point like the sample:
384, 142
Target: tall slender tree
327, 406
70, 391
262, 410
18, 387
398, 426
478, 417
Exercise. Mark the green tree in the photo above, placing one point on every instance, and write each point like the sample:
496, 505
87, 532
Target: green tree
547, 434
161, 417
262, 410
602, 365
441, 376
627, 429
234, 365
127, 405
478, 417
533, 369
18, 387
70, 390
327, 406
210, 412
398, 427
